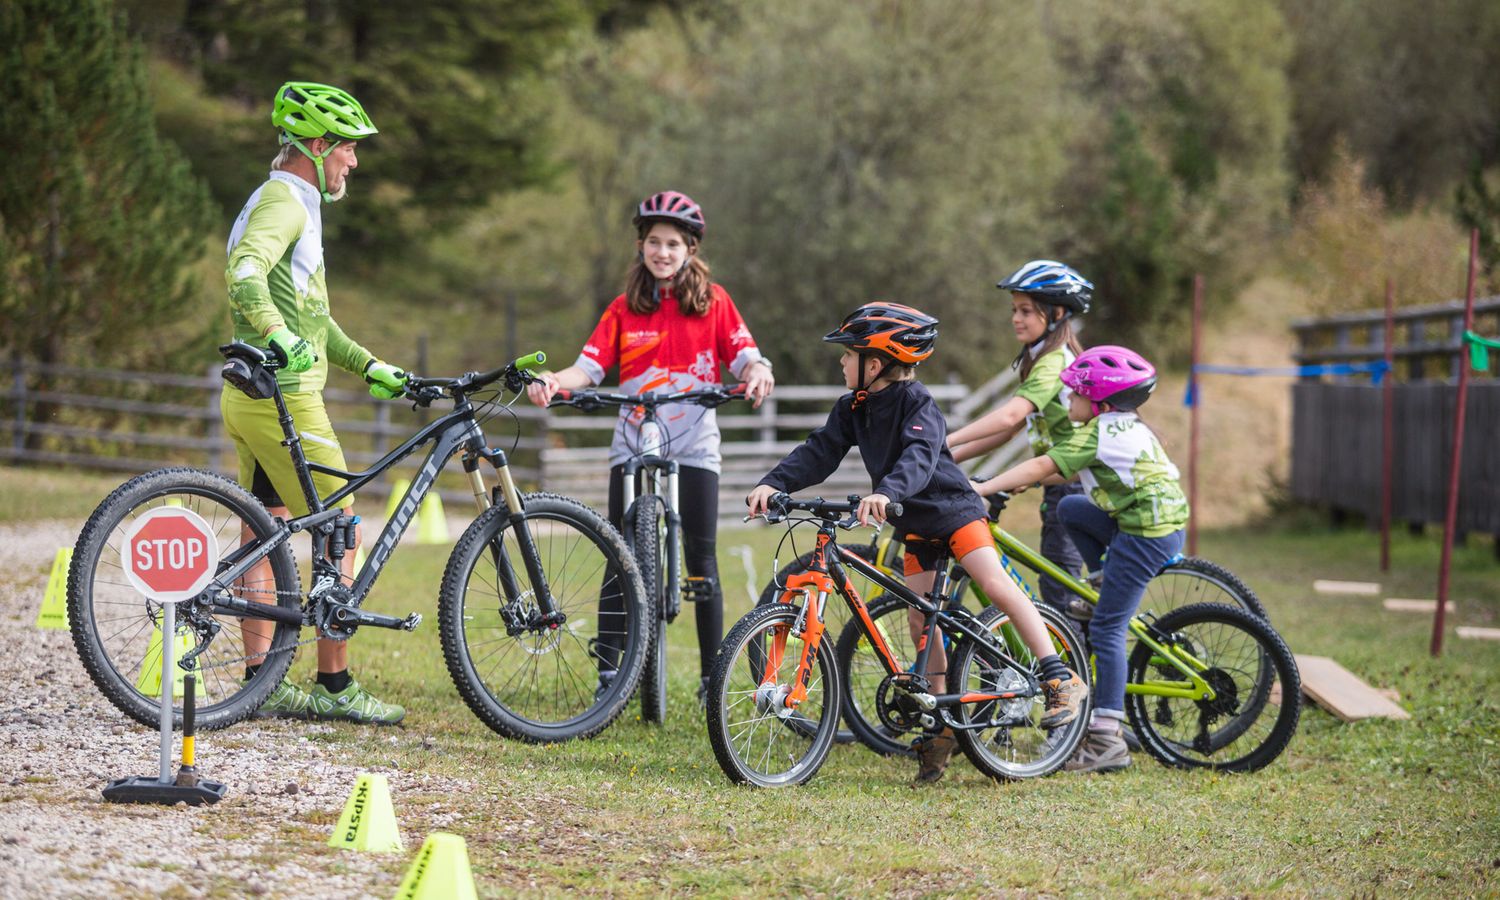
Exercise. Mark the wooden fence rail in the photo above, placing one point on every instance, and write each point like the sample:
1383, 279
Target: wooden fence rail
1336, 421
115, 420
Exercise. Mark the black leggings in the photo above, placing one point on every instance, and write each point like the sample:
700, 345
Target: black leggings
698, 505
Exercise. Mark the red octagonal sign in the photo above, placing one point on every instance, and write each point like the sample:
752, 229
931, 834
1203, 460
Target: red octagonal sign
170, 553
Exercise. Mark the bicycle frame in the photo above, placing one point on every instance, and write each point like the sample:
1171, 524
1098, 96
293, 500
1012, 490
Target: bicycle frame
827, 576
449, 434
1194, 687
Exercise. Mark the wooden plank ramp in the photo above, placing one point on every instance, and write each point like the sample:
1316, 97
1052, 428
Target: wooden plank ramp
1397, 604
1364, 588
1342, 693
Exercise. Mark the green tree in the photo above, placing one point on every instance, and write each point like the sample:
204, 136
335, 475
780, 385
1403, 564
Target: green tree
100, 221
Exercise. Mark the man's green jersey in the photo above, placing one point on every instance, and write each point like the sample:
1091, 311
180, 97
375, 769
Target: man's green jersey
275, 278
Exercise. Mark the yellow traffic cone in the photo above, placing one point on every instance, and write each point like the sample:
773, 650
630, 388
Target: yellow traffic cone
432, 525
173, 501
369, 819
440, 871
359, 558
398, 490
54, 611
149, 682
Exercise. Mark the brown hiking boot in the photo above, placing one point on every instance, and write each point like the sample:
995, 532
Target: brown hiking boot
1064, 700
933, 752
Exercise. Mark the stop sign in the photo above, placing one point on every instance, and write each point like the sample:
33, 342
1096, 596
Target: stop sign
169, 553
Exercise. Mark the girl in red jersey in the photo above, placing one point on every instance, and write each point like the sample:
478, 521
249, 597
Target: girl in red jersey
672, 330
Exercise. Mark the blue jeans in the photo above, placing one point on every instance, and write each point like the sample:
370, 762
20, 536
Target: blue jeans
1133, 561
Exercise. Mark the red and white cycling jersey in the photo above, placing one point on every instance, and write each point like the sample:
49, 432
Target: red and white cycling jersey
665, 350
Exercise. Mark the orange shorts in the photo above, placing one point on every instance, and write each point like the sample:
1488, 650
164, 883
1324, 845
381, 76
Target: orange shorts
922, 553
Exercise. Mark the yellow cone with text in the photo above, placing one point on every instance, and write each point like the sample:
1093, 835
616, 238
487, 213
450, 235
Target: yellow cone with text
54, 611
432, 524
440, 871
369, 819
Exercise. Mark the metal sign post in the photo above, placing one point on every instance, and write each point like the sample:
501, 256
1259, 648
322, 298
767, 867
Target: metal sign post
169, 555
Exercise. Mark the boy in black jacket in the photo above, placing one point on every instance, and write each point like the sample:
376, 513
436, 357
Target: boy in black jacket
901, 436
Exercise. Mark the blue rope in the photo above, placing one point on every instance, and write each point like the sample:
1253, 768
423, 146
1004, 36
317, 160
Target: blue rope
1376, 370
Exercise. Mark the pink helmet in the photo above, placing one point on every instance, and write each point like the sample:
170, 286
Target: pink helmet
671, 206
1110, 374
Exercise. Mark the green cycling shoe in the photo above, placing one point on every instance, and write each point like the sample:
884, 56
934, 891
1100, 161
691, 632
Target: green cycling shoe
286, 702
354, 704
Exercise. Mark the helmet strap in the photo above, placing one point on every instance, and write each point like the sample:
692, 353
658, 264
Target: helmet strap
317, 160
861, 392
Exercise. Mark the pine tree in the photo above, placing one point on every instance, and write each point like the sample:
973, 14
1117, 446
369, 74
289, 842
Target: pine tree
100, 220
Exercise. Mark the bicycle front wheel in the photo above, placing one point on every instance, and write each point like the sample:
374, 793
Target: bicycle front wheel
1004, 738
644, 536
1258, 693
747, 715
118, 633
524, 676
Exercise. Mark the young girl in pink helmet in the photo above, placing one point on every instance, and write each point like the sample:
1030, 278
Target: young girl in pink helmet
1134, 511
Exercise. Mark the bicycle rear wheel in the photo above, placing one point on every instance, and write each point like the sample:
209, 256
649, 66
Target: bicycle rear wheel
643, 524
1192, 580
117, 631
747, 721
1014, 745
522, 678
1258, 698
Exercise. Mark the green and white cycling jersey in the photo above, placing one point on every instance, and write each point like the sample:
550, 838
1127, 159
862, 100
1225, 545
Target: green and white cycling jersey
1126, 473
1043, 387
275, 278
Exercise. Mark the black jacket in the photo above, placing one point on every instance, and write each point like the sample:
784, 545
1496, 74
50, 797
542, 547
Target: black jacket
902, 437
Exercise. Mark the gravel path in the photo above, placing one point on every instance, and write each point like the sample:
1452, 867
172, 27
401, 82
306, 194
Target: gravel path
62, 742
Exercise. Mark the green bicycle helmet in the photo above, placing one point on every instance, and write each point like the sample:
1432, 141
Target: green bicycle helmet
305, 110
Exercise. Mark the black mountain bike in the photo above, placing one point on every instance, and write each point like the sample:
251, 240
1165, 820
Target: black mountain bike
519, 608
652, 523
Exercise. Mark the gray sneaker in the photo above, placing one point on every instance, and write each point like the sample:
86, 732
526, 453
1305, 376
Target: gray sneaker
1099, 751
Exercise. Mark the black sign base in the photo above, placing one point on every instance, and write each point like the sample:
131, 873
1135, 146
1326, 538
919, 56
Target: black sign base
145, 789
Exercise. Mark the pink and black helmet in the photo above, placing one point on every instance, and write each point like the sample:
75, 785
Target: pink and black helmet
671, 206
1111, 374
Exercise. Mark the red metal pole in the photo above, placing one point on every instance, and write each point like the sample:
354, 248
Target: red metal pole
1388, 427
1450, 522
1193, 416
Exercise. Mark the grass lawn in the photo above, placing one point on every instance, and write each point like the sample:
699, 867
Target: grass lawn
1378, 806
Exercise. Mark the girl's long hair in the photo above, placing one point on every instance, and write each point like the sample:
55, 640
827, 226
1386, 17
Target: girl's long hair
1061, 336
690, 285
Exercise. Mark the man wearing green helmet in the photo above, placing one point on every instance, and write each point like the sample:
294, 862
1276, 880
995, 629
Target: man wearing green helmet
278, 298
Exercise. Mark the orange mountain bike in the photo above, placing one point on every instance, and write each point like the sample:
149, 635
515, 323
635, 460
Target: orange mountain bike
774, 698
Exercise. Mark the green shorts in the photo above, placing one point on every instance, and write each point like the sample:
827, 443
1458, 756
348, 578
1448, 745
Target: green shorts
265, 465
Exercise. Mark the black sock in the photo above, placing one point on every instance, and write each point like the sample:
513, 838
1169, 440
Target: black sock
251, 670
1054, 668
335, 682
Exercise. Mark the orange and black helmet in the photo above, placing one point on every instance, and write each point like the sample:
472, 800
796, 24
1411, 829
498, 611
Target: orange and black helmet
899, 333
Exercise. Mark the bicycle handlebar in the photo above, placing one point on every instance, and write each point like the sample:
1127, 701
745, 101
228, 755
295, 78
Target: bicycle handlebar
517, 375
590, 400
780, 505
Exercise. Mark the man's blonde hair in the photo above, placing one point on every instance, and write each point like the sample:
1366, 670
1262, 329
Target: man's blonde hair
284, 156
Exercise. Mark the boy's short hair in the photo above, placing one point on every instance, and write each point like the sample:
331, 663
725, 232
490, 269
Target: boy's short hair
895, 371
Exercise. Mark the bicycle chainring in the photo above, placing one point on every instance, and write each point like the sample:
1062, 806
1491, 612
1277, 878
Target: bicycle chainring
896, 710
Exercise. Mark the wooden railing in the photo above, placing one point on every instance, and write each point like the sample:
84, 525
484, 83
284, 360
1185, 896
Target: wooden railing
135, 421
1336, 421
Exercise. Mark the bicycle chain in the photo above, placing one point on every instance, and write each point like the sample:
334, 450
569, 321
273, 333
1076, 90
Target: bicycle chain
233, 661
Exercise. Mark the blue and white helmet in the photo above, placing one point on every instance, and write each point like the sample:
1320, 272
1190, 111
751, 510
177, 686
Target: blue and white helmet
1052, 283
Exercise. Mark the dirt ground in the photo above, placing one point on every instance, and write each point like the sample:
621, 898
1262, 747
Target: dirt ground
62, 742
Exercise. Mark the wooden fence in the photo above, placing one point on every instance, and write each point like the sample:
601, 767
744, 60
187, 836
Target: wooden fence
135, 421
1336, 421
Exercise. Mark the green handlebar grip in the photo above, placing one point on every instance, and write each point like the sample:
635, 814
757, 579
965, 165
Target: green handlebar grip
531, 362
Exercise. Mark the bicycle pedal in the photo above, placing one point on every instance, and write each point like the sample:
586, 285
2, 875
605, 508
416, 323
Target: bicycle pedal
698, 589
411, 622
